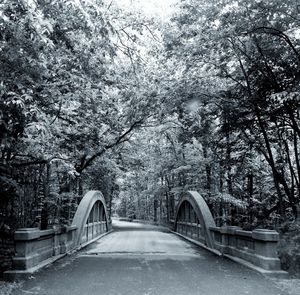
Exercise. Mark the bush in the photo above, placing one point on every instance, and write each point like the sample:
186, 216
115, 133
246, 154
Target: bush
289, 248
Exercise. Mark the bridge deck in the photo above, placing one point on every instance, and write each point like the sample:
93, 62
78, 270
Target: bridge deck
142, 260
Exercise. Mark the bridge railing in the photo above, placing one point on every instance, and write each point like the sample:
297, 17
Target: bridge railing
93, 230
256, 249
35, 248
193, 219
91, 218
191, 230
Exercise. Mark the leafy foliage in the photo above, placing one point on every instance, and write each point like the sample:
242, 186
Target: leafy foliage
228, 78
70, 94
213, 94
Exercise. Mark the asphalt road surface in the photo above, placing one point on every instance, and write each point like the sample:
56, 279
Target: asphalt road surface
141, 259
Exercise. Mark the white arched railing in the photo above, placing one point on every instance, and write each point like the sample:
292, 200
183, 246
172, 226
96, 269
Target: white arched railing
193, 218
91, 218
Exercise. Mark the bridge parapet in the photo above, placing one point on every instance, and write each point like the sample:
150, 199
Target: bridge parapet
255, 249
193, 218
91, 218
35, 248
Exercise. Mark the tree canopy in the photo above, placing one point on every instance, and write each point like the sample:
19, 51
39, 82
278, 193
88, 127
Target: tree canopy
96, 97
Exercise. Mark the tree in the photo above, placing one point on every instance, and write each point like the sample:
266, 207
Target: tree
70, 95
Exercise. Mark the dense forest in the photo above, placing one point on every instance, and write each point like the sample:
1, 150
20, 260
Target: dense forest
94, 96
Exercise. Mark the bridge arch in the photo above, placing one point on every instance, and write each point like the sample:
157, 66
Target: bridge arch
91, 218
193, 218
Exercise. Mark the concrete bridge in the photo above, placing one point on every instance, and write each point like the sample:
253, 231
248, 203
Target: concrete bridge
193, 256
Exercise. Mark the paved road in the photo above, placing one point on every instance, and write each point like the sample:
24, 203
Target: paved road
145, 260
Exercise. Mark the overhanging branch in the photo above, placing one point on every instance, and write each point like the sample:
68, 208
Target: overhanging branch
88, 161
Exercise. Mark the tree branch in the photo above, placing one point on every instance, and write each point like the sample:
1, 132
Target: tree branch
120, 140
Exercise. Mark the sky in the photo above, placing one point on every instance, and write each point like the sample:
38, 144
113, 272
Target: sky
160, 8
